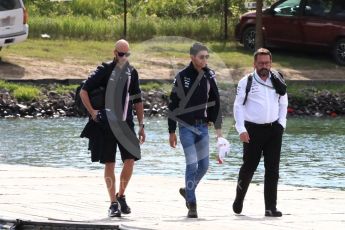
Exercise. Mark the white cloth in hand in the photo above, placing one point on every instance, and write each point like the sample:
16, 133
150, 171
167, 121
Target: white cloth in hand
223, 147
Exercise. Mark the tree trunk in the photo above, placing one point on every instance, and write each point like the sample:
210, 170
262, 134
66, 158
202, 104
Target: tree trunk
124, 19
226, 13
258, 29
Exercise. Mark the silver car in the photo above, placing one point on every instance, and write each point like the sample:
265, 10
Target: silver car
13, 22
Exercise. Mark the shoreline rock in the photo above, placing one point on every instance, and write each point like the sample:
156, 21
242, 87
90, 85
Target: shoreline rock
52, 104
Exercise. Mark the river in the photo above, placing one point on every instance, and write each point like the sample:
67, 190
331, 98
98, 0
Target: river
313, 150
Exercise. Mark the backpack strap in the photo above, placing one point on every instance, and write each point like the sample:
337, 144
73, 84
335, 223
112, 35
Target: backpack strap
248, 86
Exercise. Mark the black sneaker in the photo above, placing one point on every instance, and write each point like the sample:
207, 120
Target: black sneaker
273, 213
183, 194
237, 206
125, 209
114, 210
192, 213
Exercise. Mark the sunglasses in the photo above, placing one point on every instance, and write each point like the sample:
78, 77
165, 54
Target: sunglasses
121, 54
203, 57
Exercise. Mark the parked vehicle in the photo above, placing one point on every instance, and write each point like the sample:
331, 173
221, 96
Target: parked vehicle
13, 22
308, 24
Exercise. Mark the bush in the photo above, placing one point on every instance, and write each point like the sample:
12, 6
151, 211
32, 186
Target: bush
21, 92
26, 93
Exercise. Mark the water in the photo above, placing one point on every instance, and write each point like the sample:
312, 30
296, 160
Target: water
313, 150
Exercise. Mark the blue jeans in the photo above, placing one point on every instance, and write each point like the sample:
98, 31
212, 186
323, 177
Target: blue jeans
196, 151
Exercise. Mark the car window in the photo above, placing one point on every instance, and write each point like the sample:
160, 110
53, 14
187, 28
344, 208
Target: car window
338, 9
318, 8
9, 5
287, 8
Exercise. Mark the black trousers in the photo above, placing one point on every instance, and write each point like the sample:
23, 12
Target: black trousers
265, 140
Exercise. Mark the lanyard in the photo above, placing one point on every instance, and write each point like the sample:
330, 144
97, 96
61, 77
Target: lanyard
262, 83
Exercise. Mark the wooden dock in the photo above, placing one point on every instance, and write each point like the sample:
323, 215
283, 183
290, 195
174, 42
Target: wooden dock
79, 196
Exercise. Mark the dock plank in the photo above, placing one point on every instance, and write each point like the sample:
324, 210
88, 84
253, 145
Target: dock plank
46, 194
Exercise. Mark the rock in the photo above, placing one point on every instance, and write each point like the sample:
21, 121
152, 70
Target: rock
53, 94
314, 103
49, 112
22, 107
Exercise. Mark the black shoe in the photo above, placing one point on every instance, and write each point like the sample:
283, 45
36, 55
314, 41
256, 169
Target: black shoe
192, 213
237, 206
125, 209
114, 210
183, 194
273, 213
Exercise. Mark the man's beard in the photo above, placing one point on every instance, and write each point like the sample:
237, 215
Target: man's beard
263, 72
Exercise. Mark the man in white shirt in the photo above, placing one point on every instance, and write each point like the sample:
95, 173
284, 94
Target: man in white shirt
260, 121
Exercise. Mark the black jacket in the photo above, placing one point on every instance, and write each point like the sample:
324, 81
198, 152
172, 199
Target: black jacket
100, 77
194, 97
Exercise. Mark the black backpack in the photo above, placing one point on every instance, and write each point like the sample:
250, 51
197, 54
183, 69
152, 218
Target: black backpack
78, 104
277, 81
97, 99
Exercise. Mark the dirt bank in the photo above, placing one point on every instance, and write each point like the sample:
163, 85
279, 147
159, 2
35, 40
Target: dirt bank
26, 68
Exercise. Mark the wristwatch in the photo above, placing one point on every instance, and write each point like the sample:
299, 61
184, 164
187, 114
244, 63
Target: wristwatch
142, 125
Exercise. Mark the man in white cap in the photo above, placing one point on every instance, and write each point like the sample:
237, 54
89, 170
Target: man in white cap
107, 130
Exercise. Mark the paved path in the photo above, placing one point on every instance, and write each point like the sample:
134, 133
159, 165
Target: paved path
38, 193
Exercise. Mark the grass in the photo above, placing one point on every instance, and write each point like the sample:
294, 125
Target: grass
90, 52
235, 56
22, 92
64, 89
28, 92
302, 90
139, 28
59, 50
155, 86
74, 27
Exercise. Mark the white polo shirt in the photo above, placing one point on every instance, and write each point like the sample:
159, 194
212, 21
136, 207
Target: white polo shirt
263, 104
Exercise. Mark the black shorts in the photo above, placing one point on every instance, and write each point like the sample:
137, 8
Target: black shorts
124, 132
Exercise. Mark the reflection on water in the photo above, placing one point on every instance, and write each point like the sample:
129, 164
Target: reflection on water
313, 150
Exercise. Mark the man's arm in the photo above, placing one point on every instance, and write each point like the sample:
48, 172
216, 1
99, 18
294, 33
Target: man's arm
239, 111
135, 94
173, 104
239, 107
283, 104
215, 112
139, 108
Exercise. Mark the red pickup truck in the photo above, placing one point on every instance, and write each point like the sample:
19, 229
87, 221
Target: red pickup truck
307, 24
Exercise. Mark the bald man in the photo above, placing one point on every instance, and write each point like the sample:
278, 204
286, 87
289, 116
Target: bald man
105, 135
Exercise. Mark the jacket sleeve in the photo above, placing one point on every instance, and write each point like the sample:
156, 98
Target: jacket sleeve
134, 90
173, 105
214, 112
239, 107
96, 79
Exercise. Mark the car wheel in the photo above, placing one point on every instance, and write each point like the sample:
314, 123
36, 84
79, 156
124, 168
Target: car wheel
339, 52
249, 38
